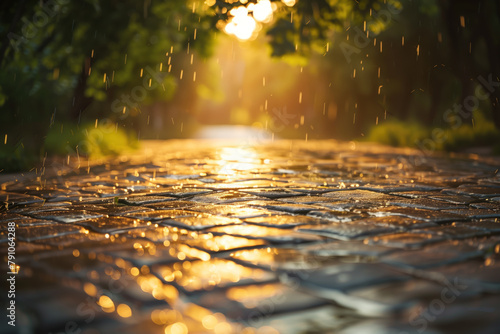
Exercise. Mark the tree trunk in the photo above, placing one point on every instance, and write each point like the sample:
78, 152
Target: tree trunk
80, 101
493, 56
17, 17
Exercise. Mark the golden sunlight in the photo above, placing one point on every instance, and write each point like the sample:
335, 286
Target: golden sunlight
289, 3
262, 11
236, 159
241, 25
245, 21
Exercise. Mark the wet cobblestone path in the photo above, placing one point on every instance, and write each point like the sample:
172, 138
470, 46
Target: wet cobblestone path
317, 237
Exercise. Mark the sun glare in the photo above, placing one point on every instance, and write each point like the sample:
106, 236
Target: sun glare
246, 21
241, 25
289, 3
262, 11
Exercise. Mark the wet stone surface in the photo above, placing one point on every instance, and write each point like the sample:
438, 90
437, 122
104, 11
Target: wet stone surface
289, 237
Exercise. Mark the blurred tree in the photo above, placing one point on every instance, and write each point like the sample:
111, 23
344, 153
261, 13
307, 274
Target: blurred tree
61, 60
409, 59
472, 28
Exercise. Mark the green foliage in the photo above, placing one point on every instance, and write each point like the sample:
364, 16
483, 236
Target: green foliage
481, 133
75, 61
15, 157
3, 97
398, 133
412, 134
107, 44
89, 140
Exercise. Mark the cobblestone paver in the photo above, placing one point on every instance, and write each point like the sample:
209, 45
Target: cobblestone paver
289, 237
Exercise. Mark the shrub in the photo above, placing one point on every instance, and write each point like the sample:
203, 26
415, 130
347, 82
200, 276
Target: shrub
89, 140
398, 133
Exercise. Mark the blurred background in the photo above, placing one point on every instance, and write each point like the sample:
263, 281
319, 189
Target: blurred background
91, 77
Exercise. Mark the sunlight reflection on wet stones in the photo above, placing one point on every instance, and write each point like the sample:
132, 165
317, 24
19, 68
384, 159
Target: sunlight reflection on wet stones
270, 234
203, 275
69, 216
46, 231
405, 240
280, 259
198, 221
346, 231
240, 211
144, 200
273, 193
186, 240
283, 221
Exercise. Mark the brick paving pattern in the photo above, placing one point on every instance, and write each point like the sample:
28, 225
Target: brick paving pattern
289, 237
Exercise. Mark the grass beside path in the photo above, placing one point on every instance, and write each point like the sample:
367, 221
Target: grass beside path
482, 133
90, 140
87, 140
